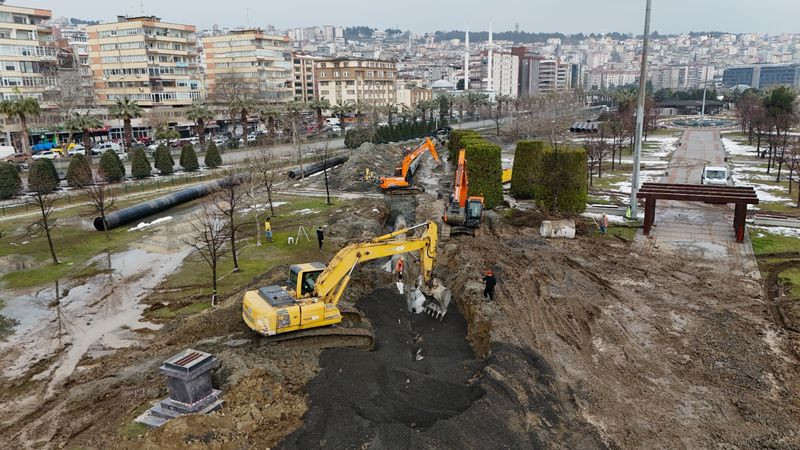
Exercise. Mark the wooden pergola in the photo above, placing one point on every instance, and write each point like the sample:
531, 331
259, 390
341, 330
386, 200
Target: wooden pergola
739, 196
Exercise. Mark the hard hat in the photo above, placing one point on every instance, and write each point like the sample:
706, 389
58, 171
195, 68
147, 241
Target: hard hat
489, 272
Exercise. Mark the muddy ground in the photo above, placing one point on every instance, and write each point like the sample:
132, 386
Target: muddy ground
591, 343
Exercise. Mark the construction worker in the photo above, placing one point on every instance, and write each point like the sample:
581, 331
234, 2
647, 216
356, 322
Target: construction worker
268, 230
603, 223
320, 237
401, 265
491, 281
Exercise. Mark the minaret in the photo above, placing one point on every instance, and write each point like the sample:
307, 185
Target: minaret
466, 61
491, 67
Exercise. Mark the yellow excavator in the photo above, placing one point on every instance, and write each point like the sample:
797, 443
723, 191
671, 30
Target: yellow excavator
309, 306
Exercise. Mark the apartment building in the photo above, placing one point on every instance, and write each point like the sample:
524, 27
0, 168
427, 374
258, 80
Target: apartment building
762, 76
27, 52
72, 42
411, 94
252, 60
144, 59
368, 81
303, 82
505, 73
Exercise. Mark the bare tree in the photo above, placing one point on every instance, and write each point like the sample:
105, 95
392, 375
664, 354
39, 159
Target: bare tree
292, 121
41, 185
228, 202
596, 151
265, 170
102, 199
210, 233
324, 154
792, 160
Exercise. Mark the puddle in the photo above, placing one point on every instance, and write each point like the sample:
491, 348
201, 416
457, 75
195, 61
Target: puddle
92, 316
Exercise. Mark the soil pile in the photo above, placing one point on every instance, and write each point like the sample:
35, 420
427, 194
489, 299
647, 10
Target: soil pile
381, 160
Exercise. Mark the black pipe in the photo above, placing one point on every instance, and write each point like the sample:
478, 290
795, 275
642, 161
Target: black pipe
311, 169
136, 212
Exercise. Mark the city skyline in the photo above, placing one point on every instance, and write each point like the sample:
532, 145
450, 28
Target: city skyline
735, 16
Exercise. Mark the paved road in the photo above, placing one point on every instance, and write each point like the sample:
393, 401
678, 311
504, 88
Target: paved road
698, 230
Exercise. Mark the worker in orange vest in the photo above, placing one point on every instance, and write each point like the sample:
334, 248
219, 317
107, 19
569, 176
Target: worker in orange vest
399, 269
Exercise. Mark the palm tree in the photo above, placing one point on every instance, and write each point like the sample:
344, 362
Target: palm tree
242, 106
199, 113
319, 105
390, 110
341, 109
126, 109
84, 123
268, 116
21, 107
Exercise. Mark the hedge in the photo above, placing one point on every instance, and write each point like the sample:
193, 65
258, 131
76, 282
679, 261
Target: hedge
79, 172
561, 180
10, 181
140, 166
212, 158
523, 180
189, 158
163, 160
454, 144
484, 169
41, 178
111, 167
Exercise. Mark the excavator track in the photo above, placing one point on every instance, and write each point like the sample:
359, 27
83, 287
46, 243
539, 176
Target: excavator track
354, 331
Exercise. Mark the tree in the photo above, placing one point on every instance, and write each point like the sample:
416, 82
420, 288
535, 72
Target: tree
21, 108
84, 123
228, 201
475, 100
292, 120
111, 168
780, 108
269, 117
324, 153
265, 171
500, 99
165, 133
140, 165
102, 199
189, 158
41, 186
792, 161
319, 105
10, 181
391, 110
199, 114
341, 110
242, 106
79, 172
210, 232
596, 150
444, 101
163, 160
212, 159
127, 110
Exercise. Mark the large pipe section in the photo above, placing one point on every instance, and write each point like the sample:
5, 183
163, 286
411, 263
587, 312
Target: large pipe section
142, 210
311, 169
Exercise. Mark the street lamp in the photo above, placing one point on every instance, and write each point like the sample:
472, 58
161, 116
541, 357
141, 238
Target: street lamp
637, 155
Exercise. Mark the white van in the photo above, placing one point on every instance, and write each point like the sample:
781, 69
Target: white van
715, 176
332, 121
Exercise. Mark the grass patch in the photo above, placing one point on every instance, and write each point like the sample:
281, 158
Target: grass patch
791, 279
169, 313
765, 242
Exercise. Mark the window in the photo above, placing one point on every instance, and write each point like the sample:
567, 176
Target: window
5, 33
22, 20
12, 81
335, 74
346, 74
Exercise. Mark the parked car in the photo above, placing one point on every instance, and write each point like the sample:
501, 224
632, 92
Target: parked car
78, 149
103, 146
219, 141
47, 154
715, 176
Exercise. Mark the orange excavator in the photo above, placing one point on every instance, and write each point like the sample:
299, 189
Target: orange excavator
402, 181
463, 213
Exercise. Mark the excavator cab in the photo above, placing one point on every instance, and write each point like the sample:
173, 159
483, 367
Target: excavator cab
474, 212
303, 278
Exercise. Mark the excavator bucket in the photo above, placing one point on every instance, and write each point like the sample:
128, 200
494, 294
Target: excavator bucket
438, 299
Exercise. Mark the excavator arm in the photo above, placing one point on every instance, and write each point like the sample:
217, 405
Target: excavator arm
331, 284
400, 180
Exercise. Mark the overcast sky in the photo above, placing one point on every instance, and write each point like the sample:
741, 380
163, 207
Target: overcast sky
567, 16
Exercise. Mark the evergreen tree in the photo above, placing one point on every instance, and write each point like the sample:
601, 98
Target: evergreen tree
111, 167
10, 182
212, 159
40, 176
163, 160
79, 172
189, 158
140, 166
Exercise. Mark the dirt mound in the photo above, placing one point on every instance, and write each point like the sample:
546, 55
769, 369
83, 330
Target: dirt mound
380, 159
362, 220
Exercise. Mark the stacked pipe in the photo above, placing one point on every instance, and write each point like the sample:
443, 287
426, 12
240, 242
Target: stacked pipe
142, 210
311, 169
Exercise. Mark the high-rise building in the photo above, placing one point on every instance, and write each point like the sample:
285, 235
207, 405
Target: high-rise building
144, 59
28, 52
762, 76
305, 87
505, 73
368, 81
258, 63
72, 41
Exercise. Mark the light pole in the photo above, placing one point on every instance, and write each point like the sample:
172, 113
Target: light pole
640, 112
705, 83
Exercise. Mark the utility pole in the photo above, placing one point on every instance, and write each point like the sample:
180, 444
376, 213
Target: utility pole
705, 83
637, 155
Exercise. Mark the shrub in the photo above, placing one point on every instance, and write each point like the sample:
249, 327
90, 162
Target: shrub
523, 180
79, 172
10, 181
212, 158
41, 178
561, 180
111, 167
454, 144
163, 160
484, 168
140, 165
189, 158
